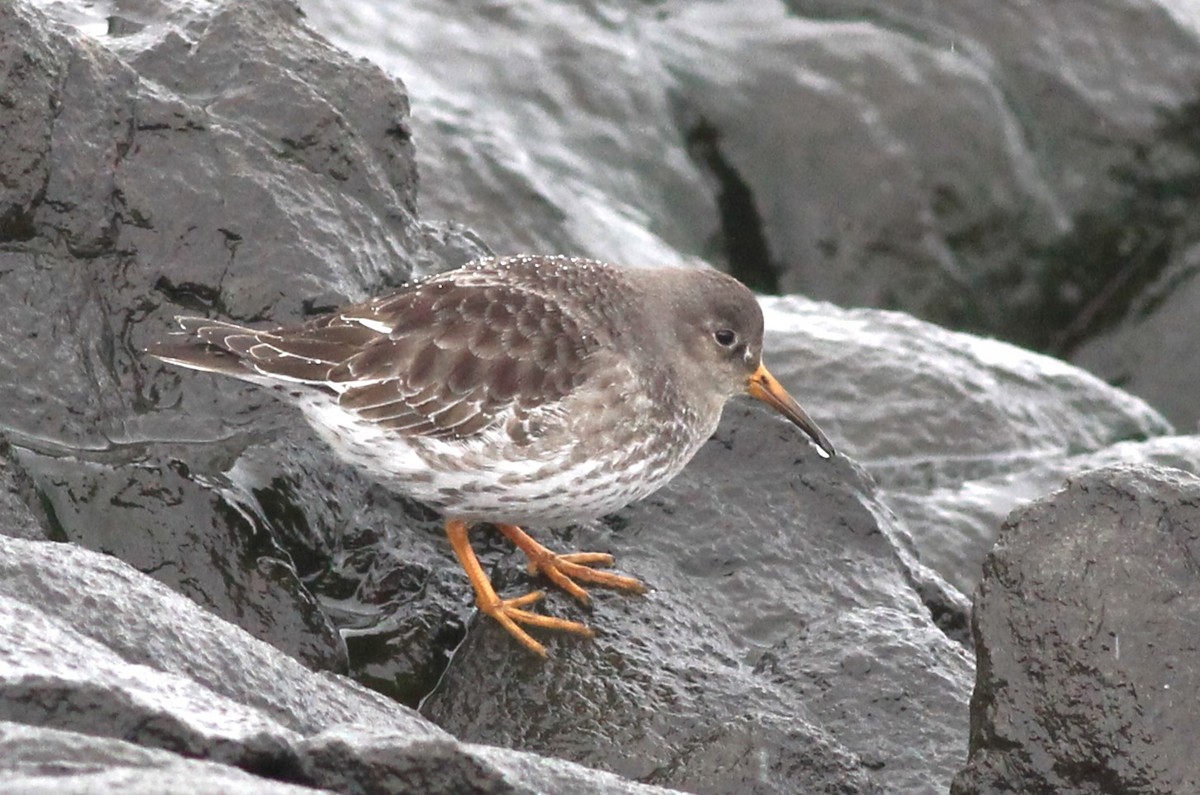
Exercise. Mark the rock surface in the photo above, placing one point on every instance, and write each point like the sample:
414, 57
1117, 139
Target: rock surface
104, 671
33, 761
1085, 630
955, 525
112, 128
805, 631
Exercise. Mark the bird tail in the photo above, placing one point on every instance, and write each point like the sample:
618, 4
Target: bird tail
206, 345
304, 354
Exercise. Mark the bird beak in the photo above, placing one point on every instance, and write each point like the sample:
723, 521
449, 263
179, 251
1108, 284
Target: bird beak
763, 386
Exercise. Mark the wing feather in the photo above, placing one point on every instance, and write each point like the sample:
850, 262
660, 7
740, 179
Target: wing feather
480, 352
447, 358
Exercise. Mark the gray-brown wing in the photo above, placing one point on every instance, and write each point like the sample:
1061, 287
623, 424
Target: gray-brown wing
444, 358
455, 357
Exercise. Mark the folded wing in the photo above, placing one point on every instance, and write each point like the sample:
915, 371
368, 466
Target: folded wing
438, 359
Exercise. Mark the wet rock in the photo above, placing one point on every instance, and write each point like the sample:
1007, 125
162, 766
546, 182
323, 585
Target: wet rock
890, 656
955, 526
90, 647
223, 159
1116, 292
174, 173
583, 157
1032, 47
1151, 350
1085, 630
955, 429
146, 172
33, 761
923, 407
369, 760
17, 518
118, 619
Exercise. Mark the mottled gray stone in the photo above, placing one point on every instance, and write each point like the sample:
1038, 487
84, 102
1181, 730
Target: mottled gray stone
43, 761
1085, 630
91, 648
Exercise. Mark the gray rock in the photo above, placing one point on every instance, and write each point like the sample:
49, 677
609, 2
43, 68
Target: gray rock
1085, 631
716, 151
957, 430
1057, 75
1152, 351
16, 494
926, 408
104, 602
358, 760
579, 153
145, 175
890, 655
53, 676
91, 648
42, 761
954, 526
849, 138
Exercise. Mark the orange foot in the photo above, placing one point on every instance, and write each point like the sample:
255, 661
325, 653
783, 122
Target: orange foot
560, 569
510, 613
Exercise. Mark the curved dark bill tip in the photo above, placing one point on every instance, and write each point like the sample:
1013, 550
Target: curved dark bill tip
762, 385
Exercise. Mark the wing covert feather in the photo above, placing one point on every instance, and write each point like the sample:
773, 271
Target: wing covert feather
459, 356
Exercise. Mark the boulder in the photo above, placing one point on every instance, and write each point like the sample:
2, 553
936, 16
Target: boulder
1085, 633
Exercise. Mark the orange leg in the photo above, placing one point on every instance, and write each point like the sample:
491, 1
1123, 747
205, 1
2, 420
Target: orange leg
560, 569
508, 612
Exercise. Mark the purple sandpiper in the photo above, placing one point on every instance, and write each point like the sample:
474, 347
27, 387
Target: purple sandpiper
517, 390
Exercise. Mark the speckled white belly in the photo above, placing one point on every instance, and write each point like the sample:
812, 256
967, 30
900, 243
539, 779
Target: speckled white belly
473, 480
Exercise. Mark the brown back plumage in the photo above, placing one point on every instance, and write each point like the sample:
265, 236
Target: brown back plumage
441, 358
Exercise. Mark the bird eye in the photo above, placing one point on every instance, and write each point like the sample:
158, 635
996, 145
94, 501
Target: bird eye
725, 337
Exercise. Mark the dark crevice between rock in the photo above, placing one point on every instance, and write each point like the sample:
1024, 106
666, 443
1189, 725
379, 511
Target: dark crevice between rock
743, 240
190, 295
385, 657
252, 527
280, 765
16, 225
951, 617
401, 131
283, 513
1109, 266
284, 765
396, 616
1094, 275
311, 307
40, 506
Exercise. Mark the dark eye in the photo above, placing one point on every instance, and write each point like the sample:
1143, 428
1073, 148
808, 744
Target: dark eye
725, 337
